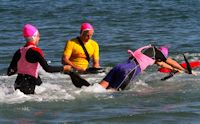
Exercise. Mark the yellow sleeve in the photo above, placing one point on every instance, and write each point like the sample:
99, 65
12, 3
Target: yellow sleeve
68, 48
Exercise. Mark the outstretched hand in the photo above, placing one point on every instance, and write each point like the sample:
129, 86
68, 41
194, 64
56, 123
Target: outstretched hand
186, 71
67, 68
194, 73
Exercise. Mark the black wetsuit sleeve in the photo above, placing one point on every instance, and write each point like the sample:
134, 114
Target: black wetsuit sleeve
159, 56
12, 69
154, 53
34, 56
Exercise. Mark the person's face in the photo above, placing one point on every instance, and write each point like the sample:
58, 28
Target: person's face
86, 35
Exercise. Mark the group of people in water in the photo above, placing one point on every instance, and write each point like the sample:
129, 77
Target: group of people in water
76, 57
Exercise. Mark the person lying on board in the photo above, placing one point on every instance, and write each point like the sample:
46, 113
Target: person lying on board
121, 75
27, 60
78, 51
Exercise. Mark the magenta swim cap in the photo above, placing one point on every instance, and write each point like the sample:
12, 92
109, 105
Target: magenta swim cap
86, 26
164, 50
29, 30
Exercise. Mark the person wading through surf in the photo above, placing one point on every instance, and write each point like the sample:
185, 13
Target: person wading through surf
27, 60
80, 50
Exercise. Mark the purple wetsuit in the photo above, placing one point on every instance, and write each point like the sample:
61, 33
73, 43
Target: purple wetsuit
121, 75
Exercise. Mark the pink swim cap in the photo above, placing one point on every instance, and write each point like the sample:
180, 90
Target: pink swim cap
164, 50
29, 30
86, 26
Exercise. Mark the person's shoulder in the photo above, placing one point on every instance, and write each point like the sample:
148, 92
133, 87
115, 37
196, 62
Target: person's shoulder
73, 40
93, 42
17, 53
37, 49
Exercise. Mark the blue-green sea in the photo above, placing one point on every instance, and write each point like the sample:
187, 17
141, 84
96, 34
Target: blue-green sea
119, 25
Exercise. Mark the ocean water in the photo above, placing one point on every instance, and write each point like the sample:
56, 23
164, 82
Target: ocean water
119, 26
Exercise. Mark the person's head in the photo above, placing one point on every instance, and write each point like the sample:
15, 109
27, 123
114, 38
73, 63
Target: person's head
164, 50
86, 32
31, 34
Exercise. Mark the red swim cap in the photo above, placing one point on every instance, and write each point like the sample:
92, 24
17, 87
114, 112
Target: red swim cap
29, 30
86, 26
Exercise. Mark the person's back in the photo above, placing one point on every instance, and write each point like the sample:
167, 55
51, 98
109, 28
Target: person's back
26, 62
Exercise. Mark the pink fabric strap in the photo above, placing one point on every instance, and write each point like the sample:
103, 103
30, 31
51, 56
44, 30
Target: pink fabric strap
143, 60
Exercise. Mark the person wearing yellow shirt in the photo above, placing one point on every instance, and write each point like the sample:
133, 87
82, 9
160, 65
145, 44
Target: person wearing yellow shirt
74, 53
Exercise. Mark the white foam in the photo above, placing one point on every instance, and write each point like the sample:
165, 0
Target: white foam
95, 88
52, 89
57, 86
